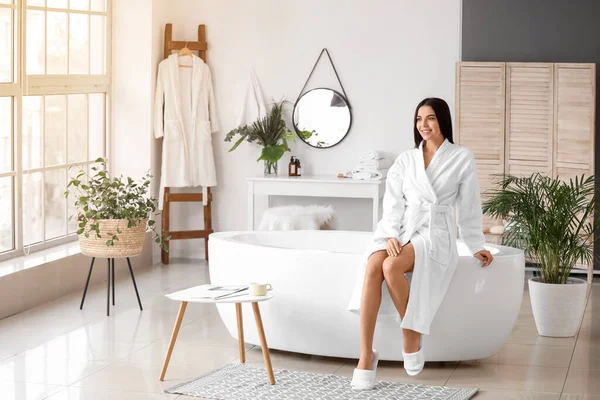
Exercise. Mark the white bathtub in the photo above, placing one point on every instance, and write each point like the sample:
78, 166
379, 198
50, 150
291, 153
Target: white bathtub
313, 274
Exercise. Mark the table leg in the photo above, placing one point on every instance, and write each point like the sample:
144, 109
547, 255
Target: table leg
263, 343
173, 339
240, 325
375, 211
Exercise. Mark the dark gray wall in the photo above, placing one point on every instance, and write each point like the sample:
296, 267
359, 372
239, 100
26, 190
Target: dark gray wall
534, 31
531, 30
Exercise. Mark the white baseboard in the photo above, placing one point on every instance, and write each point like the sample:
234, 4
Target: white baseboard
194, 253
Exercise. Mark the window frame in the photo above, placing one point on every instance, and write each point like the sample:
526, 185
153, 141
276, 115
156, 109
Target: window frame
23, 85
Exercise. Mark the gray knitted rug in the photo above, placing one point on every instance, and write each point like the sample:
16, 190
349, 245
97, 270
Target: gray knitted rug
247, 382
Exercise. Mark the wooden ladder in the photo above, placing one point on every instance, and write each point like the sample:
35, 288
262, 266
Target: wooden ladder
201, 46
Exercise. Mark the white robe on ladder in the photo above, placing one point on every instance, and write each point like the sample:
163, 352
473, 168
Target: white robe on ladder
187, 124
418, 206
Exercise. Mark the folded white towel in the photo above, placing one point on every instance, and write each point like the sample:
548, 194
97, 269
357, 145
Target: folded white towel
383, 163
370, 155
368, 175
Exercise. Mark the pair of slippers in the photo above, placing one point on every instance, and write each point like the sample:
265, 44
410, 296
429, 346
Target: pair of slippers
364, 379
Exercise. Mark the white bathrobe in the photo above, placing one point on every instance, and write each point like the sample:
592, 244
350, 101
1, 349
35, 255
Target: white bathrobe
418, 206
187, 124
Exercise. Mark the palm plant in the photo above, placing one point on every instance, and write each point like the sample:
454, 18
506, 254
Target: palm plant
551, 220
270, 132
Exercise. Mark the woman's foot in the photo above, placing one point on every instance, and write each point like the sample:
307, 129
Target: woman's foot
412, 341
414, 362
414, 359
364, 378
411, 347
366, 360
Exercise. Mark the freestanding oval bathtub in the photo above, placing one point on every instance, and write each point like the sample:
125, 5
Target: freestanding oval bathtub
313, 274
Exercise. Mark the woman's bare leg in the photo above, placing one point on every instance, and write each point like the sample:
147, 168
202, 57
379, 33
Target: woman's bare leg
394, 269
369, 307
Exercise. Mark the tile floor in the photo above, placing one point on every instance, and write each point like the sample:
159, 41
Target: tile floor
57, 352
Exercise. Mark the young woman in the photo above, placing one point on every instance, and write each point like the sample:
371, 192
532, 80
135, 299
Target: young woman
417, 234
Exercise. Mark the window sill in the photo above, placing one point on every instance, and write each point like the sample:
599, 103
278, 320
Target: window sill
38, 258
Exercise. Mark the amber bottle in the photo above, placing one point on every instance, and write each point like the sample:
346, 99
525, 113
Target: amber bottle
292, 170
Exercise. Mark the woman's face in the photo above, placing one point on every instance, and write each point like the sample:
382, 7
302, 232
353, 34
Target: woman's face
427, 123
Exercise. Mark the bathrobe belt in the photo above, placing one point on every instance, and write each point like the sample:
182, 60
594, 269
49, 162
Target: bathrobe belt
419, 220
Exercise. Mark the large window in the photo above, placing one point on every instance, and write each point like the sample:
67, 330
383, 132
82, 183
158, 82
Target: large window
54, 87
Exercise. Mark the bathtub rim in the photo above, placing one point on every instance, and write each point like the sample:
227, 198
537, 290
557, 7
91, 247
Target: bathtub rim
229, 236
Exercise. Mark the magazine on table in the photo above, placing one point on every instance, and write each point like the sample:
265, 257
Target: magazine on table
217, 292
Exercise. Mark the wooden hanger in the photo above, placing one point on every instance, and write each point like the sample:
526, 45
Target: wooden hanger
185, 52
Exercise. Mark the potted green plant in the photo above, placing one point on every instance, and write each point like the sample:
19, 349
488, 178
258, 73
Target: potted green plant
113, 214
270, 132
552, 221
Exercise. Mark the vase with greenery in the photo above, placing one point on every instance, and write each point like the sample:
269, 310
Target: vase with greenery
270, 132
553, 222
113, 213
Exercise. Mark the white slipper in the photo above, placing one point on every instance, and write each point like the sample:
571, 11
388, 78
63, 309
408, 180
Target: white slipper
364, 379
414, 362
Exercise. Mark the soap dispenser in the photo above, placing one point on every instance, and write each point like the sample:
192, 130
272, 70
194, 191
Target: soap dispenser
292, 170
298, 167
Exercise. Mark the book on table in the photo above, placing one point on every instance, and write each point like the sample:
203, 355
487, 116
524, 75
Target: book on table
217, 292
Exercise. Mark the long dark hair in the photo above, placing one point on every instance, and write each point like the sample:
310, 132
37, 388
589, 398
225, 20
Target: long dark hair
442, 113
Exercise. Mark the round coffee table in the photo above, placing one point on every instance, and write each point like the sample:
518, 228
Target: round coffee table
194, 295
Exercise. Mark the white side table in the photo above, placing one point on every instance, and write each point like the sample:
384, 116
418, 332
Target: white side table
191, 295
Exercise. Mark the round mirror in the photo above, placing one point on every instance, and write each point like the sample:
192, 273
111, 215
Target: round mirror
322, 117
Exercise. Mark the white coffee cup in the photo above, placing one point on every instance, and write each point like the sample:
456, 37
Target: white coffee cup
259, 289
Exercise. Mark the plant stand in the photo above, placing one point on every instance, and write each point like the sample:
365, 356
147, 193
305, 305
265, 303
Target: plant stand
111, 265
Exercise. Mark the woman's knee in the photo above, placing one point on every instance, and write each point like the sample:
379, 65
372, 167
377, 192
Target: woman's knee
393, 266
374, 268
389, 266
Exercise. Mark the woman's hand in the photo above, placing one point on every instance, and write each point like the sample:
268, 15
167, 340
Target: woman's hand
485, 256
393, 247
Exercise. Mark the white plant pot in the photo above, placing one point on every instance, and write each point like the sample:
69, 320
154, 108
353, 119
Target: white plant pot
558, 309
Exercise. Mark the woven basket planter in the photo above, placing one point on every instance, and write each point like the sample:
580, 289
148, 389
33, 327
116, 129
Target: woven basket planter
130, 243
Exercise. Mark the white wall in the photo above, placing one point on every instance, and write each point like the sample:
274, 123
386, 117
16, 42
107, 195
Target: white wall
132, 92
389, 55
160, 12
133, 73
